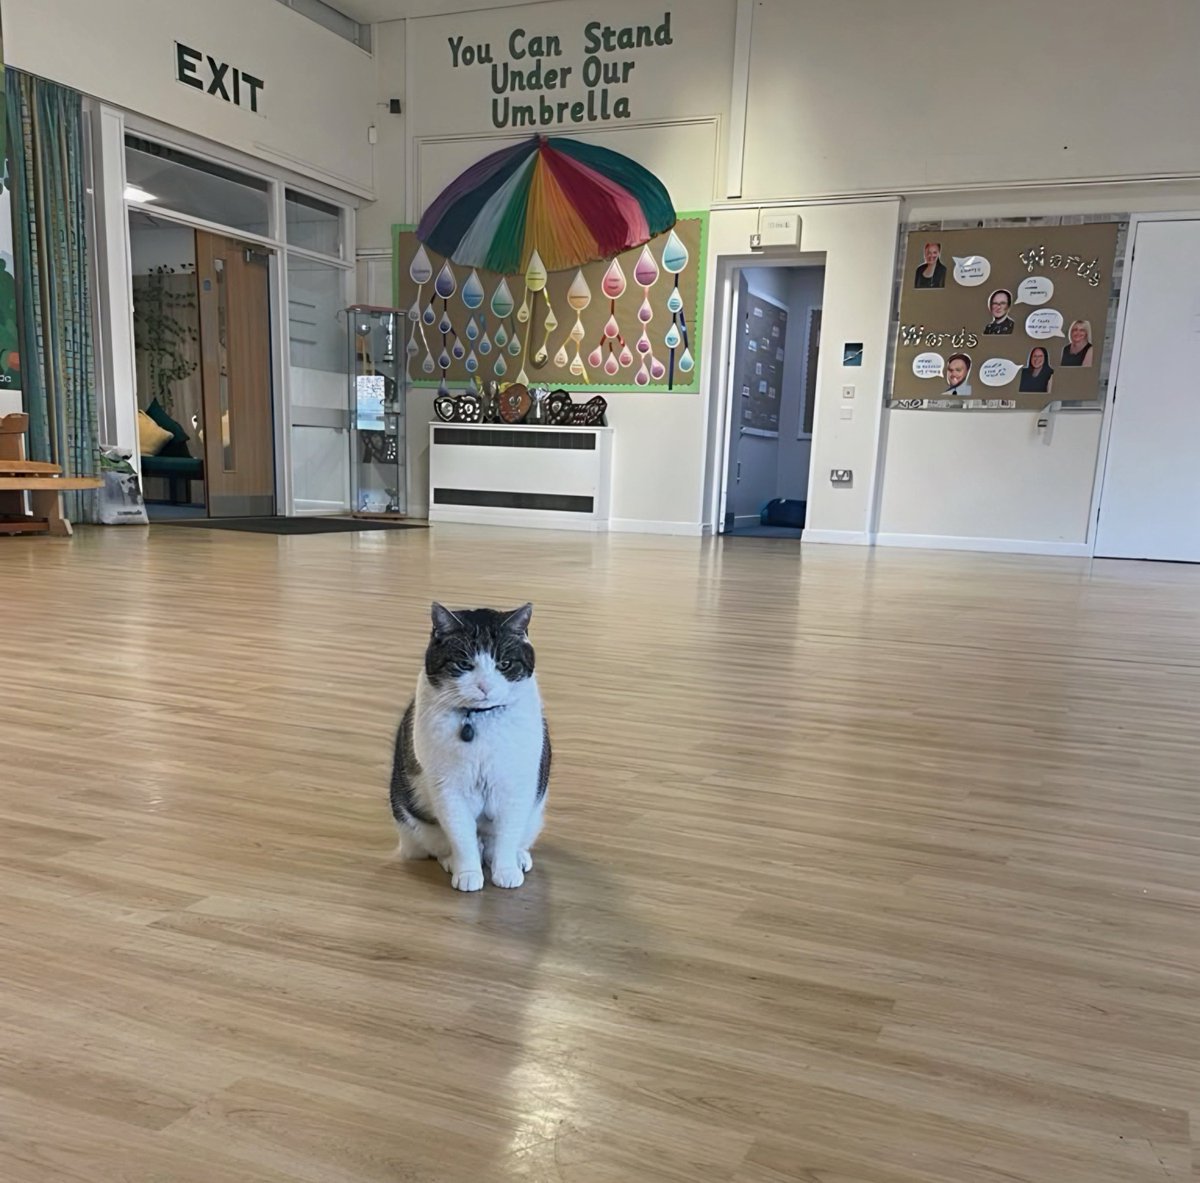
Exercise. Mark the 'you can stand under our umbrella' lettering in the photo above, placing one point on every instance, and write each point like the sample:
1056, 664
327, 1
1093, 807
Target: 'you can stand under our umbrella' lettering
534, 82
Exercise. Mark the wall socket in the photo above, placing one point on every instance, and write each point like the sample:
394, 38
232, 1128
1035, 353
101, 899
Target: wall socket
841, 476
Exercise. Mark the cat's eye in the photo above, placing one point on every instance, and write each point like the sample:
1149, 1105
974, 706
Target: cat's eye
463, 667
504, 666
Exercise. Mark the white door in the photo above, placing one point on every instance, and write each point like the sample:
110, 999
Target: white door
1150, 499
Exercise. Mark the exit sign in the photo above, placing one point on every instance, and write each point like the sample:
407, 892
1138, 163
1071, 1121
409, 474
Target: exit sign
207, 74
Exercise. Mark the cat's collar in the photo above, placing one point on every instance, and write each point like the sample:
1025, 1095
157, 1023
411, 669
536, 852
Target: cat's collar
467, 731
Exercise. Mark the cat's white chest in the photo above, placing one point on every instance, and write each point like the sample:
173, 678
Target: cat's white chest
500, 758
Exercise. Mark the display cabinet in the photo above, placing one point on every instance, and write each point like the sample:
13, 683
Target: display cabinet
378, 472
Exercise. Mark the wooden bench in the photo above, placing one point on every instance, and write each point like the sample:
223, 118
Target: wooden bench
44, 483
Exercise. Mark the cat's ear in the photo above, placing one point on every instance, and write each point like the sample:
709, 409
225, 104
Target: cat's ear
444, 621
518, 621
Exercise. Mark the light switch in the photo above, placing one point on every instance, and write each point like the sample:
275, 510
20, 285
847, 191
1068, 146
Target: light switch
847, 412
847, 392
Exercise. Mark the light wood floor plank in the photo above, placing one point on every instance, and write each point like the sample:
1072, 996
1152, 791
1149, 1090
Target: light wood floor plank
861, 868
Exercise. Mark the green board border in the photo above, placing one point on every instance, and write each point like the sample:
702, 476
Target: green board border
696, 331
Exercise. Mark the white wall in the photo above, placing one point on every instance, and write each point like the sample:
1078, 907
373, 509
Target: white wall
319, 90
983, 479
375, 219
858, 96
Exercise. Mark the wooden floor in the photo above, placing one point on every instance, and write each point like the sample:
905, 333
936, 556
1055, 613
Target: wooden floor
860, 868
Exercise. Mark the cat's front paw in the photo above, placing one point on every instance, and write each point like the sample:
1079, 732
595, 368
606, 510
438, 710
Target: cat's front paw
525, 860
508, 876
467, 880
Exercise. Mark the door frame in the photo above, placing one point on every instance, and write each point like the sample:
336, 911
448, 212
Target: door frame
280, 379
720, 418
116, 386
1114, 375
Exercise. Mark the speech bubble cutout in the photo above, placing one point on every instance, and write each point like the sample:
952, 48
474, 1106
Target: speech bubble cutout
929, 365
998, 371
971, 270
1043, 324
1036, 290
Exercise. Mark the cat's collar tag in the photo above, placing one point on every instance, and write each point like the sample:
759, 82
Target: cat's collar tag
467, 731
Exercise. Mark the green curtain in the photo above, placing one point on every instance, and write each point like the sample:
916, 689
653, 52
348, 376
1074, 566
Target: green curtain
46, 146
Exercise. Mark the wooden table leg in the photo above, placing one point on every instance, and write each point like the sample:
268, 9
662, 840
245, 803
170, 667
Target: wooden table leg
48, 504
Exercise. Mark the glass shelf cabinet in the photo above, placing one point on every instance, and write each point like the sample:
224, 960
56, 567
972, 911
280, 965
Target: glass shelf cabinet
378, 474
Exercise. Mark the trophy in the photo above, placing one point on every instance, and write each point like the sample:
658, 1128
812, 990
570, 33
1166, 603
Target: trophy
489, 396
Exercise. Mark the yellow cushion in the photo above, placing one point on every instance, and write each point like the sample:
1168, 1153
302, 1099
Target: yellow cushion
151, 438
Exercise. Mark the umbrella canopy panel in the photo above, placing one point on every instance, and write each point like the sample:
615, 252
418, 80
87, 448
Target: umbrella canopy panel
570, 203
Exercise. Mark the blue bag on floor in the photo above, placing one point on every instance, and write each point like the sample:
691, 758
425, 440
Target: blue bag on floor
782, 511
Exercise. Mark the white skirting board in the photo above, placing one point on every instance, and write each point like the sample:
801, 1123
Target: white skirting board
551, 522
471, 515
1008, 546
837, 537
643, 526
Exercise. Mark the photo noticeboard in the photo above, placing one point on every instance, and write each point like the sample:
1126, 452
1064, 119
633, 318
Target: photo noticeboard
758, 364
1008, 318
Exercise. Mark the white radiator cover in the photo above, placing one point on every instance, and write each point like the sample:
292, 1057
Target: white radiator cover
557, 478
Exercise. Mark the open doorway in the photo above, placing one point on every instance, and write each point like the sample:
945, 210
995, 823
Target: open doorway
166, 318
775, 340
202, 333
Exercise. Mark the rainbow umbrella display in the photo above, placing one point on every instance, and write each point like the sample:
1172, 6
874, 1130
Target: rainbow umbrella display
557, 200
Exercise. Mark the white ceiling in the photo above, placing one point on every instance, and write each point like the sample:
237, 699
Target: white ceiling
370, 11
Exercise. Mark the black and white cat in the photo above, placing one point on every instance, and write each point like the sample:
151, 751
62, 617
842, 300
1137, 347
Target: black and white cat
472, 759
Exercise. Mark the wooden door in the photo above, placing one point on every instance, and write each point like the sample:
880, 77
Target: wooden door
235, 348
